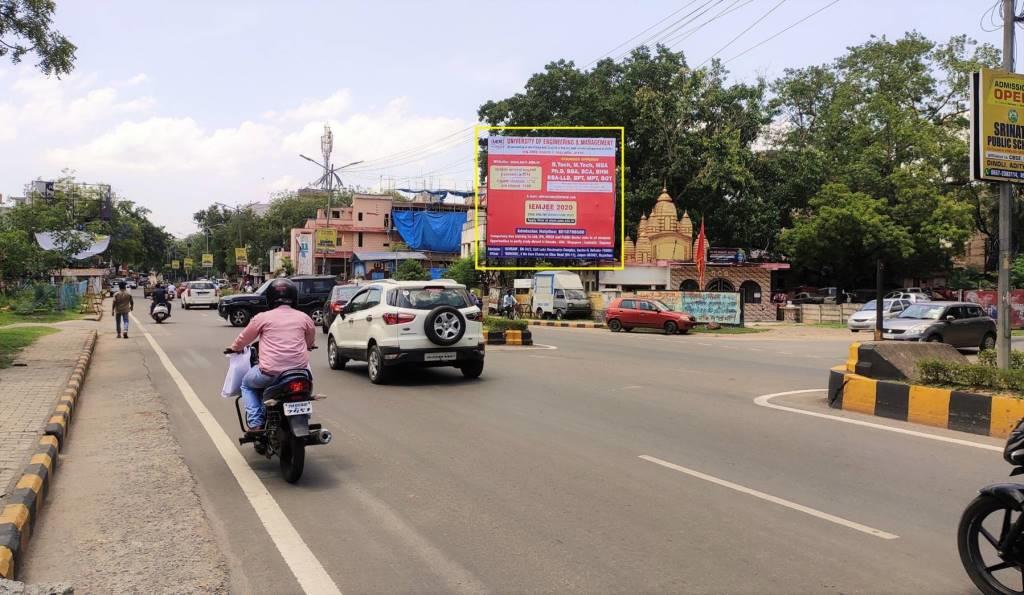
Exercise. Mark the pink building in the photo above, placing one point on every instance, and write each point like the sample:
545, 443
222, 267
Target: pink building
366, 225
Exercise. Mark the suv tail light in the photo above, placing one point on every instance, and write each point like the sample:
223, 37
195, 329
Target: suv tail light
401, 318
336, 307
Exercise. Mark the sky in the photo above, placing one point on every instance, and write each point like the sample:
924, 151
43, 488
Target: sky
181, 104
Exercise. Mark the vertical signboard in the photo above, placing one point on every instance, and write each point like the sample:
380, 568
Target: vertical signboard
175, 264
241, 257
304, 262
326, 239
189, 263
207, 261
550, 197
997, 126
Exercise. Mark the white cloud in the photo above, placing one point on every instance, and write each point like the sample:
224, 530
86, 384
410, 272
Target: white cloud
318, 109
49, 104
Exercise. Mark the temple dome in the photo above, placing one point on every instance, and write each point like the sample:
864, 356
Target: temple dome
665, 209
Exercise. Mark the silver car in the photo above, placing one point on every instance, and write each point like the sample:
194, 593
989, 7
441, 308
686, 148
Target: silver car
864, 319
960, 324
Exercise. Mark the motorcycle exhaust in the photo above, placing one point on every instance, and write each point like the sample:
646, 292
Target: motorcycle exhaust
319, 437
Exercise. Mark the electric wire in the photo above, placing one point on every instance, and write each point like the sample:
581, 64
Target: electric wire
780, 32
609, 52
682, 36
743, 32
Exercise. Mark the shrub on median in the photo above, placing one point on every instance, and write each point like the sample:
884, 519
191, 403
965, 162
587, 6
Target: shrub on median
497, 323
979, 376
988, 358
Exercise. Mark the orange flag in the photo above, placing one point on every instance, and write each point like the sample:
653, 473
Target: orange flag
699, 258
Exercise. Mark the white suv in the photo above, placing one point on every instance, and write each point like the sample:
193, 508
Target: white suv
421, 323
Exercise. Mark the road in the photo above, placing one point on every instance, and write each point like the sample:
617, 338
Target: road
531, 478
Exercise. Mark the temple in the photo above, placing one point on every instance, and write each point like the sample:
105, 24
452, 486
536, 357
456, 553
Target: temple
662, 236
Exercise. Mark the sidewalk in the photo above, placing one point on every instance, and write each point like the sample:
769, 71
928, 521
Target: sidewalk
28, 392
123, 515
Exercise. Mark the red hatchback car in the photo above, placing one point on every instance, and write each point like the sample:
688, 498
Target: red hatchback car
630, 313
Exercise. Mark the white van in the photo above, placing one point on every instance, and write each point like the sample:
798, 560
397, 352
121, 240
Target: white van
558, 294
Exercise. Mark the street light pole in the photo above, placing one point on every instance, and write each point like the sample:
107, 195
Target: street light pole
1003, 327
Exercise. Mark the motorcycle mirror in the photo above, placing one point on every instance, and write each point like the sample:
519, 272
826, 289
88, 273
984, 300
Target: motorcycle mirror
1017, 471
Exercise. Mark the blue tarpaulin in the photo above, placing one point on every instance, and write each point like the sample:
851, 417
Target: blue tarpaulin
427, 230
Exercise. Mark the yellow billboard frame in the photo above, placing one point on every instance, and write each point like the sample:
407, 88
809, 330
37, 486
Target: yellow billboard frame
476, 198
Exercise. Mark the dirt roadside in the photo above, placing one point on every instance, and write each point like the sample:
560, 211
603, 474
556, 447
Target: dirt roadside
123, 515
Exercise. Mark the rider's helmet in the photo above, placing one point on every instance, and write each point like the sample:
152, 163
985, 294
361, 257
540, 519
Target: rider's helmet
509, 292
282, 292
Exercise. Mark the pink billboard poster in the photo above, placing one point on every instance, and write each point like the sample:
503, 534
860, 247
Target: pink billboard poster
986, 298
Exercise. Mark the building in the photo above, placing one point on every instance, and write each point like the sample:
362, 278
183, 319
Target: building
382, 265
469, 234
661, 258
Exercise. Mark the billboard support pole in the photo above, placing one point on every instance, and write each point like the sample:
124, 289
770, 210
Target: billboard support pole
1003, 326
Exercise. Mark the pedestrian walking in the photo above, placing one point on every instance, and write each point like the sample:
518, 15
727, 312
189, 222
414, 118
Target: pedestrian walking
123, 304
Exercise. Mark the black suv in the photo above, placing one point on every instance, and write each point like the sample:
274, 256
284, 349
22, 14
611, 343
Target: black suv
313, 291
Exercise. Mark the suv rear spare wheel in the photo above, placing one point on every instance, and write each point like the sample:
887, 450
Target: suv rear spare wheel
445, 326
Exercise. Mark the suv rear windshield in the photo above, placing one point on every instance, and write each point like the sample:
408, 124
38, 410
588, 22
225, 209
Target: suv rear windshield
344, 292
429, 298
203, 285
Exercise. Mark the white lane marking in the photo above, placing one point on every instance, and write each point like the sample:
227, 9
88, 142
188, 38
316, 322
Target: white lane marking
773, 499
765, 401
307, 569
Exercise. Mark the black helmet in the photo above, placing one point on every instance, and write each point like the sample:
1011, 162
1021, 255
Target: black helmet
282, 291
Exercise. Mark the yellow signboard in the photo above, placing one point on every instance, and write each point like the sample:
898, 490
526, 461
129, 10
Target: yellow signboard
207, 261
175, 265
326, 239
997, 122
240, 257
189, 262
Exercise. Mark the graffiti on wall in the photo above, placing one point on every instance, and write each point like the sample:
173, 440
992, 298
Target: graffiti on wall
705, 306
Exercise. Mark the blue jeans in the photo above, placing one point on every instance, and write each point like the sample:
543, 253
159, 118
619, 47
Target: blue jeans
120, 319
252, 392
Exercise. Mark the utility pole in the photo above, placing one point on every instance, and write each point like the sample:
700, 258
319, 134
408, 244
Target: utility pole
1005, 215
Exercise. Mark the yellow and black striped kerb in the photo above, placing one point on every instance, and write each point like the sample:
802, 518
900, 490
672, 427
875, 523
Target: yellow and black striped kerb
564, 324
509, 337
24, 504
987, 415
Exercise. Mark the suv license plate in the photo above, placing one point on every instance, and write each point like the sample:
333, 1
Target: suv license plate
300, 408
442, 356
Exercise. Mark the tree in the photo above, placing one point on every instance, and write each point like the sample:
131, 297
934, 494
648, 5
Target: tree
26, 26
286, 267
411, 270
464, 271
882, 130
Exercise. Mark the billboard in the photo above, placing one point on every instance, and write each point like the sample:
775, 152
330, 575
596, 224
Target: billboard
550, 197
997, 126
189, 263
986, 298
304, 262
326, 239
705, 306
207, 261
241, 257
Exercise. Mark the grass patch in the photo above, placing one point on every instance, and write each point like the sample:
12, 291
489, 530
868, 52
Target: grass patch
728, 330
13, 340
497, 323
44, 318
1017, 332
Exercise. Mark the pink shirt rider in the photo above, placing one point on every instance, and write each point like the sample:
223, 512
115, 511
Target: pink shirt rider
285, 337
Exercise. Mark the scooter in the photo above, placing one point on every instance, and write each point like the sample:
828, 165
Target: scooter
160, 313
287, 432
990, 537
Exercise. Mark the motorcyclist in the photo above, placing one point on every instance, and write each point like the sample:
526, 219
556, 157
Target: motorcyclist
508, 303
285, 334
160, 297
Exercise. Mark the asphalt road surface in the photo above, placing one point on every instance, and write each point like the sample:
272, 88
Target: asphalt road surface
600, 463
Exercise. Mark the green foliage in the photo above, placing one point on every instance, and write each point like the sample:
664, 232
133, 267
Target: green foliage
411, 270
26, 26
497, 323
464, 271
399, 247
970, 376
287, 267
13, 340
972, 279
37, 297
988, 358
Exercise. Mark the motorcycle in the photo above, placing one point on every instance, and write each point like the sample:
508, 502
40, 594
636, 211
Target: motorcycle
990, 537
160, 313
287, 431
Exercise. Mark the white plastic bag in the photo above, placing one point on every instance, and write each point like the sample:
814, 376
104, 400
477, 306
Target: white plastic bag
238, 365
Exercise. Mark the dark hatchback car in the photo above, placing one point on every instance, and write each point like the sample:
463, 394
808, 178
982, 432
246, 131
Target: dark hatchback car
961, 324
313, 291
340, 295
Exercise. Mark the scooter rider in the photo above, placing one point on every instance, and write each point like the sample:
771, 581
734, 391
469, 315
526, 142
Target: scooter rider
285, 334
160, 297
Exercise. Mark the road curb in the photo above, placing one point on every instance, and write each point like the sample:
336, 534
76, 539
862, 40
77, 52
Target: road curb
25, 504
987, 415
563, 324
509, 337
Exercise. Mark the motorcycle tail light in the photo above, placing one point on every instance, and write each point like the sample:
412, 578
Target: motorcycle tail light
401, 318
299, 386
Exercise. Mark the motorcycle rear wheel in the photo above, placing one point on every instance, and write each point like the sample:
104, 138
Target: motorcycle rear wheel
976, 539
293, 457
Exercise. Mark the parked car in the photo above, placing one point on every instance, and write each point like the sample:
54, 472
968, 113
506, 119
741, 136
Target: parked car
864, 319
223, 283
960, 324
238, 309
631, 313
418, 323
340, 295
912, 297
806, 298
200, 293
